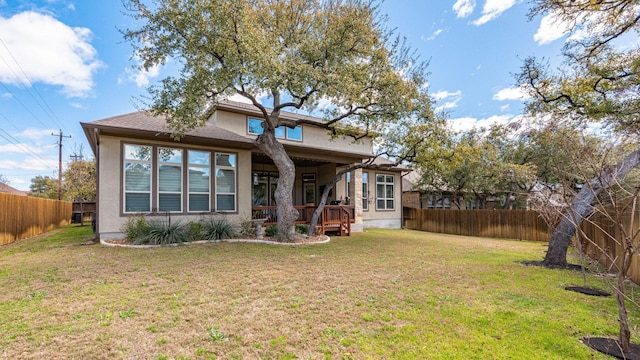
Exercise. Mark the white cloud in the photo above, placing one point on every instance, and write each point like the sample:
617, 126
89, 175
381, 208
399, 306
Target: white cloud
34, 134
48, 51
443, 94
434, 35
493, 9
138, 74
464, 8
468, 123
19, 148
551, 29
514, 93
454, 99
239, 98
30, 164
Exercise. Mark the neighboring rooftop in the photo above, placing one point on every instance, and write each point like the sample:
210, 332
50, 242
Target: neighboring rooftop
4, 188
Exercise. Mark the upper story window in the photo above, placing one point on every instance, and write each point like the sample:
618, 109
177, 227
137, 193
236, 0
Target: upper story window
254, 127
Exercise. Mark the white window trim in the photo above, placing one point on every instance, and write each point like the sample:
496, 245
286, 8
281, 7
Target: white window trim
181, 165
365, 194
235, 178
385, 183
189, 192
125, 160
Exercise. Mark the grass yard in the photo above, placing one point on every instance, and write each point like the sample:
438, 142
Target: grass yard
383, 294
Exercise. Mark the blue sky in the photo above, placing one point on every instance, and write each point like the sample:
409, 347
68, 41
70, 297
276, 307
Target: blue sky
63, 62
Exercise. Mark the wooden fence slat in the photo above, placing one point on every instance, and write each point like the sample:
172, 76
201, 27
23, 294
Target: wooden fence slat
509, 224
25, 216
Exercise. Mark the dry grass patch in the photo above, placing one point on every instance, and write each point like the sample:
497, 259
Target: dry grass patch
380, 294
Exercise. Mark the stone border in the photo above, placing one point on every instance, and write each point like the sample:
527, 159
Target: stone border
251, 241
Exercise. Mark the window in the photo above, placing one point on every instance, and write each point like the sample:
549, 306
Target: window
365, 191
199, 180
225, 182
254, 127
159, 179
309, 189
169, 179
137, 178
384, 192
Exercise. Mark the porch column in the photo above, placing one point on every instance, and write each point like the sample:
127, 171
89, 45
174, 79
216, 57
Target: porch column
358, 226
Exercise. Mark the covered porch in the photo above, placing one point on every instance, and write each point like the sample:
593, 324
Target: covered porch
311, 176
334, 218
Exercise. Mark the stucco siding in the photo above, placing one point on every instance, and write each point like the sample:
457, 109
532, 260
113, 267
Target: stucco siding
110, 214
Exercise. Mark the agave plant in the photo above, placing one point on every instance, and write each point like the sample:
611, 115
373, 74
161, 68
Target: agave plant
217, 229
163, 233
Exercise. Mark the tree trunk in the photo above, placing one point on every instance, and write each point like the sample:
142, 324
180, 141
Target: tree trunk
623, 320
581, 207
287, 214
323, 201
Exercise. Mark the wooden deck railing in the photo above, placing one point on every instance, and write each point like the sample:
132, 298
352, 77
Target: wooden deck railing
334, 217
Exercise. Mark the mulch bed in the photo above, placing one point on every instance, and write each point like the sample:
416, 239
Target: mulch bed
297, 240
612, 347
540, 263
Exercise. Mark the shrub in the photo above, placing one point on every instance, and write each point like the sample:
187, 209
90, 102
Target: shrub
195, 231
218, 229
136, 227
246, 228
164, 233
271, 230
302, 228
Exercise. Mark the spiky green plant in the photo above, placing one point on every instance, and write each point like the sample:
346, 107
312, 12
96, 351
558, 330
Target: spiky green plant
164, 233
218, 229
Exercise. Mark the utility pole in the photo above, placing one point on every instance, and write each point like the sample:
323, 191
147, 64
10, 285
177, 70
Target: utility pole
60, 136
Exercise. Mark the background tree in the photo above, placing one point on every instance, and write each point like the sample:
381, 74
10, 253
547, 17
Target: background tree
297, 52
474, 166
79, 181
399, 145
4, 180
599, 81
44, 187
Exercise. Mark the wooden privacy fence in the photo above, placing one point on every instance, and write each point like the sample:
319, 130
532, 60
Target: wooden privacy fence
25, 216
509, 224
601, 241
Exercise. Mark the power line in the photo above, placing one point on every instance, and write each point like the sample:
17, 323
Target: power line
45, 108
22, 147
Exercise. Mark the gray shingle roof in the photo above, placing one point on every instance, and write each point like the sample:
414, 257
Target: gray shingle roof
142, 123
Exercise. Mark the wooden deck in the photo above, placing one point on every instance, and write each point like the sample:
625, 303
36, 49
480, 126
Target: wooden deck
334, 219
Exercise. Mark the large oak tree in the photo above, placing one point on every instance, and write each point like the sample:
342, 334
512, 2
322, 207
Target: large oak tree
599, 81
296, 52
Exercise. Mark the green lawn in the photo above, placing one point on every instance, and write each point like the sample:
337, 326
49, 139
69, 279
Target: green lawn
377, 295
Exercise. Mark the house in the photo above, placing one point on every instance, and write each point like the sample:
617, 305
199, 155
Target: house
414, 196
217, 169
4, 188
